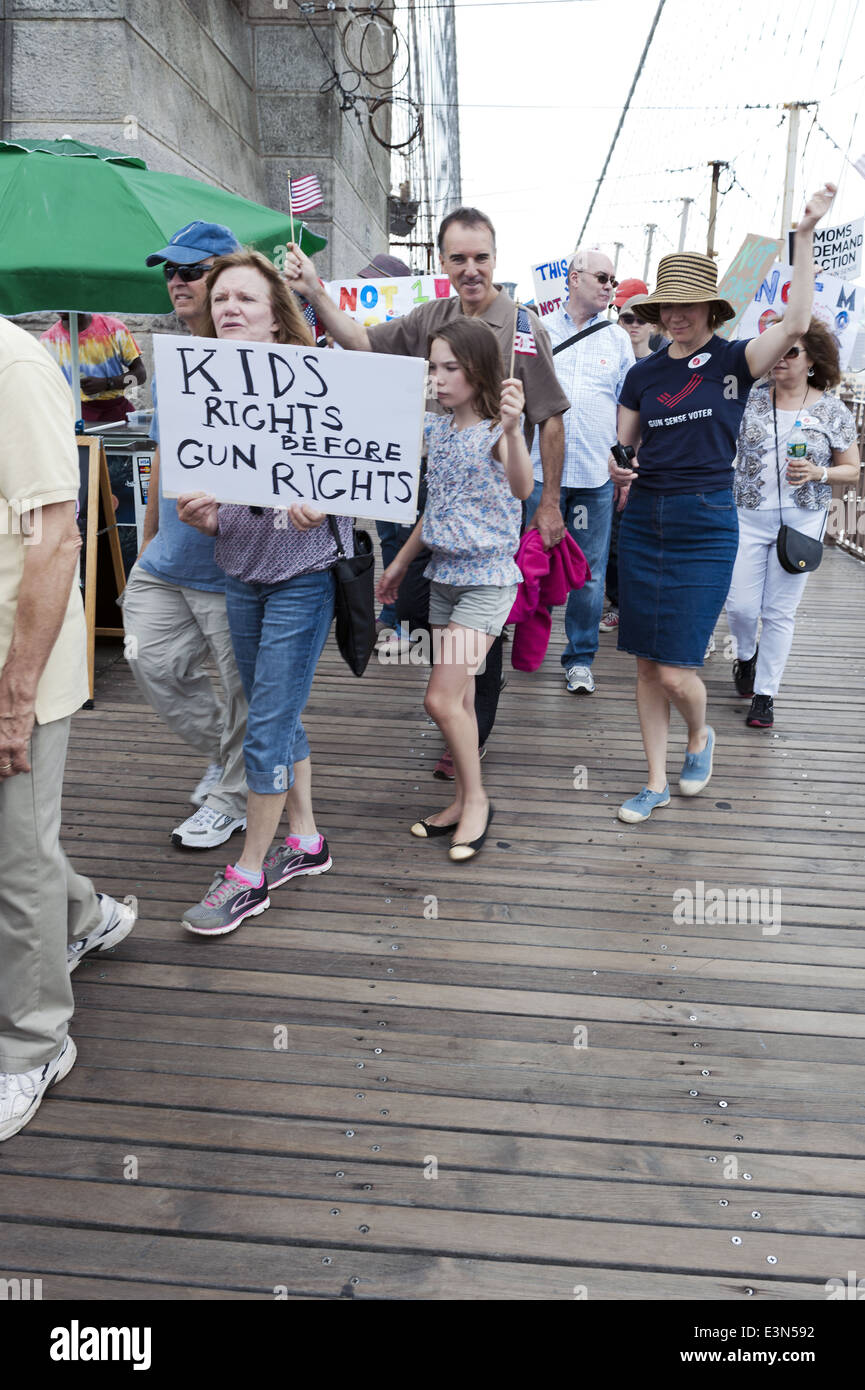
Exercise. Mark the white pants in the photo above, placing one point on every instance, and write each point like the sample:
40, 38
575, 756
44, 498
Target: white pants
761, 588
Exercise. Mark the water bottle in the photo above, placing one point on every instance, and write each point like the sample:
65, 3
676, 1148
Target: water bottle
797, 446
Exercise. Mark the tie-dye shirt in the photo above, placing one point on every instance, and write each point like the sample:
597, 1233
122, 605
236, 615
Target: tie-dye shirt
472, 519
105, 348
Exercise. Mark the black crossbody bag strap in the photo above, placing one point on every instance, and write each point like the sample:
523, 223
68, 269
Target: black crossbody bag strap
583, 333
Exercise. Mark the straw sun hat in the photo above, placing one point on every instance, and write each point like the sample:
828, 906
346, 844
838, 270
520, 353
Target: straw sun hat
685, 277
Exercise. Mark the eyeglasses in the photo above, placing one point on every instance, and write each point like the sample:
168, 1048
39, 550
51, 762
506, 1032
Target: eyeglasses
187, 273
602, 277
628, 318
793, 352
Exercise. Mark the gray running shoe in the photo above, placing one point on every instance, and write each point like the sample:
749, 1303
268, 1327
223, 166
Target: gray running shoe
228, 900
285, 863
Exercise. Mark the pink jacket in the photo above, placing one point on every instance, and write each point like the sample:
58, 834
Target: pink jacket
548, 577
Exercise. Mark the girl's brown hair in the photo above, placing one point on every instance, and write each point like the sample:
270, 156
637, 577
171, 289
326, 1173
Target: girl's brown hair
476, 349
292, 326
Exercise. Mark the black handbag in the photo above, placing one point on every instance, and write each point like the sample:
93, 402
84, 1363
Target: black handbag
797, 553
354, 599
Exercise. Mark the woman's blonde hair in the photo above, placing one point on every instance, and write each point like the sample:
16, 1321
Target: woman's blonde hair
291, 325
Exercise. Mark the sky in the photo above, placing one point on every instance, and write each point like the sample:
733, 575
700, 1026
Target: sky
542, 85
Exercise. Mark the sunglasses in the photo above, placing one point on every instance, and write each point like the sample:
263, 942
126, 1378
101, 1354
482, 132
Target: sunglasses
628, 318
602, 277
792, 353
187, 273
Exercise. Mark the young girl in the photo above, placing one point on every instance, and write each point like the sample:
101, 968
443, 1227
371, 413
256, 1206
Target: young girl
478, 471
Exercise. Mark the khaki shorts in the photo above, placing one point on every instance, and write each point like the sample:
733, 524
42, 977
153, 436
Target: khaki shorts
484, 607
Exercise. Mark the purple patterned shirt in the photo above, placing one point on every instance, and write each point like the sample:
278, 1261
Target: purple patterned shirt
266, 547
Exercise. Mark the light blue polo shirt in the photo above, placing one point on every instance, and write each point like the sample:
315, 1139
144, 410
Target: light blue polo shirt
178, 554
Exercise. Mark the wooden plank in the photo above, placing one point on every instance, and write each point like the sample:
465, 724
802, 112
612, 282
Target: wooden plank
653, 1160
331, 1271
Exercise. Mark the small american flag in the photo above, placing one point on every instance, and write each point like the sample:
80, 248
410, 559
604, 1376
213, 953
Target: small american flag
305, 194
309, 315
524, 338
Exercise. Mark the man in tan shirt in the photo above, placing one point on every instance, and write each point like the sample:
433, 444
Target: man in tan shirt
50, 916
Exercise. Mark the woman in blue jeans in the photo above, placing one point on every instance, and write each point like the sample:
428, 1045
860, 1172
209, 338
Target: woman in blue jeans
681, 409
279, 595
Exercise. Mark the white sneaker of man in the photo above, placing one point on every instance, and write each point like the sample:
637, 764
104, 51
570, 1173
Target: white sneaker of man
205, 829
21, 1092
116, 922
211, 779
580, 679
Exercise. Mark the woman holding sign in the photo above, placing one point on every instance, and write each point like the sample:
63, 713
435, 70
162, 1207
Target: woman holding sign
681, 408
280, 595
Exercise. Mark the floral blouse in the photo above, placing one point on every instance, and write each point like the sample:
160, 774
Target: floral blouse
472, 519
827, 425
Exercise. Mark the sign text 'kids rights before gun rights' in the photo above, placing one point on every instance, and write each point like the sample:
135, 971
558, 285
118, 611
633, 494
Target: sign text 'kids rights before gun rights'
267, 424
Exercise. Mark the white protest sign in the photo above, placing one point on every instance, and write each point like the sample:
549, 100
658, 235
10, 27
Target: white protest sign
377, 301
550, 280
836, 304
837, 250
267, 425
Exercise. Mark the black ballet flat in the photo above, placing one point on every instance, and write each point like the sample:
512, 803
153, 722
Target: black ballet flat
423, 830
460, 852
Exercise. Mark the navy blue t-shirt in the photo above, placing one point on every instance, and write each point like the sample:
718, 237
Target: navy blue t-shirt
690, 411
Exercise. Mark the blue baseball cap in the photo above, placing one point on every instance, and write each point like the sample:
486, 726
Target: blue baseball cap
195, 242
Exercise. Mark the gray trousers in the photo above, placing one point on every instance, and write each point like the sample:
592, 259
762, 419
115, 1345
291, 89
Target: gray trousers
44, 904
170, 632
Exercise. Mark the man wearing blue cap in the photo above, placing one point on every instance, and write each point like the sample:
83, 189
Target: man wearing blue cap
174, 603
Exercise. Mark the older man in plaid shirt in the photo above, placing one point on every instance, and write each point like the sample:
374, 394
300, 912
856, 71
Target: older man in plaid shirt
592, 357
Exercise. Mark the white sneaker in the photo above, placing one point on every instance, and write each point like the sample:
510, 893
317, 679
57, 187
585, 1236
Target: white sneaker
211, 779
580, 678
206, 828
116, 922
21, 1092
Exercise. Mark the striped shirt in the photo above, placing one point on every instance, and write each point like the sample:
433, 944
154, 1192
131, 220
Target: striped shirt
592, 374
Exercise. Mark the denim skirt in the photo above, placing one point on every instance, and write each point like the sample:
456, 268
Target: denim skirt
676, 557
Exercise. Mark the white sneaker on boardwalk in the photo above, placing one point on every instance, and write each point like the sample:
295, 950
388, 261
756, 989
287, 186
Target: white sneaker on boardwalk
580, 679
211, 779
21, 1092
116, 922
206, 828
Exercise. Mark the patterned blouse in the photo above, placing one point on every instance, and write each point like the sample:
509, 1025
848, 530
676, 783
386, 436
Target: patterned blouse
827, 425
472, 519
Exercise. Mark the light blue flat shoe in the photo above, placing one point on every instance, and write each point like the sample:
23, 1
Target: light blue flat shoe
641, 806
697, 768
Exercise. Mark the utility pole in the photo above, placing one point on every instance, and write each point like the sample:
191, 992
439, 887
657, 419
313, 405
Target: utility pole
683, 221
794, 107
651, 228
618, 246
717, 166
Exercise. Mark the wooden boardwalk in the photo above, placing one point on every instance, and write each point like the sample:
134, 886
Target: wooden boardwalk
354, 1097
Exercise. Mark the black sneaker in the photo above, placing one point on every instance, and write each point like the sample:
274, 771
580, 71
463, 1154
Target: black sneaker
285, 862
743, 676
761, 715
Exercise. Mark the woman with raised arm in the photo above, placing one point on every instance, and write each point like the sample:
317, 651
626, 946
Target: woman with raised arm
770, 492
681, 410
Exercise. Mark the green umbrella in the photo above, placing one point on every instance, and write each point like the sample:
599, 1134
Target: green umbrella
77, 222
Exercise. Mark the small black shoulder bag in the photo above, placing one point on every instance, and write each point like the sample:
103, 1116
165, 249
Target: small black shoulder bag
354, 599
797, 553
